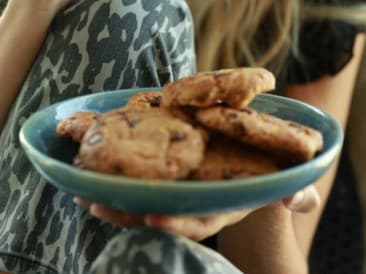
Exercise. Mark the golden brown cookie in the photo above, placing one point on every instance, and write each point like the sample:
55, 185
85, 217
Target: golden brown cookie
145, 100
185, 114
236, 87
150, 144
285, 138
76, 125
229, 159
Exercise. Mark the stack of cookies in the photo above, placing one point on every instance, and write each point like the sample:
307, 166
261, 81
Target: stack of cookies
198, 128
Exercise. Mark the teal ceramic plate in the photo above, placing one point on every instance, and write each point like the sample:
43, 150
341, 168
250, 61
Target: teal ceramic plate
51, 157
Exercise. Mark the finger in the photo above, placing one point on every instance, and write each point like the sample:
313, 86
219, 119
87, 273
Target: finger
196, 228
236, 216
304, 201
118, 217
81, 202
191, 227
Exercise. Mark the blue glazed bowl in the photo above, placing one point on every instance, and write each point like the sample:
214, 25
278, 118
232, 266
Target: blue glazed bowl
52, 156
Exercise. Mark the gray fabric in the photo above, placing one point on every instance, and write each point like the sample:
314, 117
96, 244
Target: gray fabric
145, 250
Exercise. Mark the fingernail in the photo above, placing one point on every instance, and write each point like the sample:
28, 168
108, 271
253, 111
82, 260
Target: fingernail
93, 210
296, 200
79, 201
76, 200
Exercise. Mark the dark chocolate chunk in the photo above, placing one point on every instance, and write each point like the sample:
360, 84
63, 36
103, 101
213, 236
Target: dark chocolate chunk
133, 123
177, 136
232, 115
155, 101
118, 169
293, 124
123, 116
226, 174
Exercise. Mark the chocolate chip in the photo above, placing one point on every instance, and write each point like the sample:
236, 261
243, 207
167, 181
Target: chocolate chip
239, 130
96, 138
190, 111
155, 101
222, 103
118, 169
232, 115
123, 116
226, 174
177, 136
307, 131
133, 123
293, 124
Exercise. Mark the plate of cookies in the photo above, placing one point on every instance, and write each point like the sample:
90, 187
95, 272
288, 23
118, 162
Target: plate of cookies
212, 142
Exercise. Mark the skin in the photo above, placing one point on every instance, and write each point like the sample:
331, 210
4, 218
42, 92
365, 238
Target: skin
15, 28
256, 240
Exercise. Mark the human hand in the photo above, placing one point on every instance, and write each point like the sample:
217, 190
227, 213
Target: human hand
197, 228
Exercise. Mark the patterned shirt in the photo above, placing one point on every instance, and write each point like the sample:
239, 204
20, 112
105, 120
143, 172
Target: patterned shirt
93, 46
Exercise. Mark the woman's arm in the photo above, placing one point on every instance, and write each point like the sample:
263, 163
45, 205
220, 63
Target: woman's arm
273, 239
23, 27
334, 96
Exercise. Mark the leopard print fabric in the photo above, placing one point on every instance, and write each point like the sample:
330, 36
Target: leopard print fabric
92, 46
144, 250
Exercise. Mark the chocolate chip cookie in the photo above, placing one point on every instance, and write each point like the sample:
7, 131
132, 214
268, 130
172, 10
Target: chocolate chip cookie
150, 144
229, 159
285, 138
145, 100
236, 87
76, 125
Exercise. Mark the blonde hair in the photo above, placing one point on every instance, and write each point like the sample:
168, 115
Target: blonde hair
227, 30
